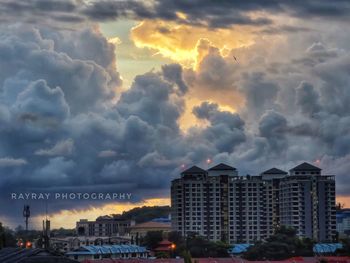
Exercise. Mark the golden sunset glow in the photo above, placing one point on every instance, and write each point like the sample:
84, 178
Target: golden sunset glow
179, 42
68, 218
343, 200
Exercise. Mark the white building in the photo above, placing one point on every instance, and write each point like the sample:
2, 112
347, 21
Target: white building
221, 205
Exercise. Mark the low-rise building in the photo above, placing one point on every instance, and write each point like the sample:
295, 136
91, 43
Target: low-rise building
67, 244
140, 230
137, 260
31, 255
108, 251
343, 222
104, 226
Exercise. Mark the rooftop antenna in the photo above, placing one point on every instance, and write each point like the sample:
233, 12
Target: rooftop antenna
26, 215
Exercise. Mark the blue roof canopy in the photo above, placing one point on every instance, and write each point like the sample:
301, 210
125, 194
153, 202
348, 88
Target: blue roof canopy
107, 249
326, 247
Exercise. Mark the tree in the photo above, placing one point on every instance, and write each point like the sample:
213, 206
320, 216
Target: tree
145, 213
7, 238
137, 239
178, 240
198, 246
282, 245
2, 236
162, 255
345, 251
186, 256
339, 206
152, 238
63, 232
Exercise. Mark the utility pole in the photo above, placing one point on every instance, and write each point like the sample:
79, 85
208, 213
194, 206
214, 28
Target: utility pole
26, 215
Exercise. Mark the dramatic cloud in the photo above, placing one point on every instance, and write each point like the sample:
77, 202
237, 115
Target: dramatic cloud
64, 147
107, 153
198, 13
9, 162
258, 94
84, 68
226, 130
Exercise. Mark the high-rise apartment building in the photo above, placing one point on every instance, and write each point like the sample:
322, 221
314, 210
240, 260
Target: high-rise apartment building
221, 205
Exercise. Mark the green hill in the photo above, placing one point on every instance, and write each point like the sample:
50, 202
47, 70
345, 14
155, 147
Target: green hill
145, 213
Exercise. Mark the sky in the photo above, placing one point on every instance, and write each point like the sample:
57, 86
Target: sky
120, 96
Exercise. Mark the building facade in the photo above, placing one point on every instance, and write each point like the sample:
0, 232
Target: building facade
104, 226
108, 252
221, 205
67, 244
139, 231
343, 223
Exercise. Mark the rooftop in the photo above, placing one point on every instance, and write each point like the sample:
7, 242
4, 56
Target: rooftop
305, 167
139, 260
289, 260
88, 238
194, 170
107, 249
152, 224
274, 171
221, 167
37, 255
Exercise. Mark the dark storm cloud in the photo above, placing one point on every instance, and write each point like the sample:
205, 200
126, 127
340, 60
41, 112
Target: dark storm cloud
52, 137
215, 14
284, 29
261, 93
307, 99
273, 126
226, 129
173, 72
30, 55
62, 130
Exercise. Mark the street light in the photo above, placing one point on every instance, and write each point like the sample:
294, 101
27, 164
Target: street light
172, 247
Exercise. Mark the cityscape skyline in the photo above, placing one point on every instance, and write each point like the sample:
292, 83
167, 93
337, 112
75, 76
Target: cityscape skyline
220, 205
117, 208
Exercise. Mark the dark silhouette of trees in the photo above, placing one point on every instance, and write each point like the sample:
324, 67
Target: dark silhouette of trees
197, 246
345, 251
282, 245
151, 239
7, 238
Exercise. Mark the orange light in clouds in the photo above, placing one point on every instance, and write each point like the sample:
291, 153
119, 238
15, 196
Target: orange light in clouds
68, 218
179, 41
344, 200
181, 15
